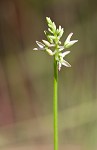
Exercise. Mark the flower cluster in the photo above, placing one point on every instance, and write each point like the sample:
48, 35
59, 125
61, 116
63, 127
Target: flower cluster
53, 46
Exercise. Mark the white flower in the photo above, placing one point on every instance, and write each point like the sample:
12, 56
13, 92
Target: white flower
63, 62
56, 50
69, 43
41, 46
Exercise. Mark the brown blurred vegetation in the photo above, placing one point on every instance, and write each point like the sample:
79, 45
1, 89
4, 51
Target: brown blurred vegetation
26, 77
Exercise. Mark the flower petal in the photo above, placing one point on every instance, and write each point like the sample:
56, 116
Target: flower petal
59, 66
61, 48
50, 52
60, 28
35, 49
68, 38
65, 63
41, 45
64, 54
46, 43
68, 45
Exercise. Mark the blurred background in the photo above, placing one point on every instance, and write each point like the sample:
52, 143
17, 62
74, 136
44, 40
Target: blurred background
26, 76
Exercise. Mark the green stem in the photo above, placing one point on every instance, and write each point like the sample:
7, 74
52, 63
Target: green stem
55, 105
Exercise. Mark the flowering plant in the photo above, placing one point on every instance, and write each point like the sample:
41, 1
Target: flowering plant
54, 48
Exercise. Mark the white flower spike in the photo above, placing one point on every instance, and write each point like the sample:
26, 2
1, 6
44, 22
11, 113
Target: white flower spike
53, 44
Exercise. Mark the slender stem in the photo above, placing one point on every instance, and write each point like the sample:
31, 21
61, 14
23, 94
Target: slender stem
55, 105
